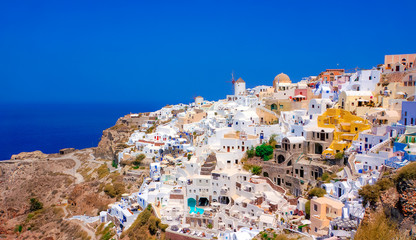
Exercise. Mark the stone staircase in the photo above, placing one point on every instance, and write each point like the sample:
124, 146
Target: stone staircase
209, 165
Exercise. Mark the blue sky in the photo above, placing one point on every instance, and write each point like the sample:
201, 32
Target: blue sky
171, 51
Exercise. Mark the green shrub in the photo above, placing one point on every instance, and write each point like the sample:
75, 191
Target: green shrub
385, 183
35, 204
114, 190
308, 209
264, 151
139, 159
339, 155
114, 164
407, 172
317, 192
256, 170
370, 194
380, 227
153, 224
18, 228
102, 171
272, 140
251, 152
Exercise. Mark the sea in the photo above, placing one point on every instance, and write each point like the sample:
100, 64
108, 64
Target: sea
51, 127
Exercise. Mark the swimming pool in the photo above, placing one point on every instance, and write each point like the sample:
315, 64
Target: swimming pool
196, 210
192, 206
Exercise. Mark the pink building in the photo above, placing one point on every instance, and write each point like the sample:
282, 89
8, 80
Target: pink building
396, 63
303, 92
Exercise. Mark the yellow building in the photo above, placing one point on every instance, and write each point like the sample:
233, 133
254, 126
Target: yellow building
323, 210
358, 102
266, 116
346, 128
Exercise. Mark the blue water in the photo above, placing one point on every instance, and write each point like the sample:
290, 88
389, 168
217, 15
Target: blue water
196, 210
50, 127
193, 208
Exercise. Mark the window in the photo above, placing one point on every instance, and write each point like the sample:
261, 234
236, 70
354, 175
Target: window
410, 78
315, 207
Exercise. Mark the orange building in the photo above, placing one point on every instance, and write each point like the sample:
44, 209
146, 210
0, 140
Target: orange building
329, 74
324, 210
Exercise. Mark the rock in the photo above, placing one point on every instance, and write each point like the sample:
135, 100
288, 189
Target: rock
29, 155
112, 137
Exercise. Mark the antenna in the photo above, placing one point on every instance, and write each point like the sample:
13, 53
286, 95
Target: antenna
232, 80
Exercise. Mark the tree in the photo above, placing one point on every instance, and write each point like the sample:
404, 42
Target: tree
264, 151
317, 192
308, 209
256, 170
370, 194
339, 155
251, 152
272, 140
35, 204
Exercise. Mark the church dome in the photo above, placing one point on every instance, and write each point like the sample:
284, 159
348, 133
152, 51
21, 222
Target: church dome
282, 78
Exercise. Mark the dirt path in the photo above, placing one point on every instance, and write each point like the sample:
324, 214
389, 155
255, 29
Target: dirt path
71, 156
83, 225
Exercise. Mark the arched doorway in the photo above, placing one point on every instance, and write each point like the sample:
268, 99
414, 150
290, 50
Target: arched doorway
318, 148
203, 201
280, 159
265, 174
273, 107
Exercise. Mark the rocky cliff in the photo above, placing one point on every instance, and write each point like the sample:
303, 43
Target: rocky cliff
393, 215
114, 138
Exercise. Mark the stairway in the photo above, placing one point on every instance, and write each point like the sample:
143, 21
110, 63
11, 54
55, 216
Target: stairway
209, 165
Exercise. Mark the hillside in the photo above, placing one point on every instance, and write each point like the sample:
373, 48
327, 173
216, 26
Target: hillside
67, 185
391, 211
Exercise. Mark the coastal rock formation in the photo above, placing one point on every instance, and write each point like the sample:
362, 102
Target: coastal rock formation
111, 141
29, 155
114, 138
